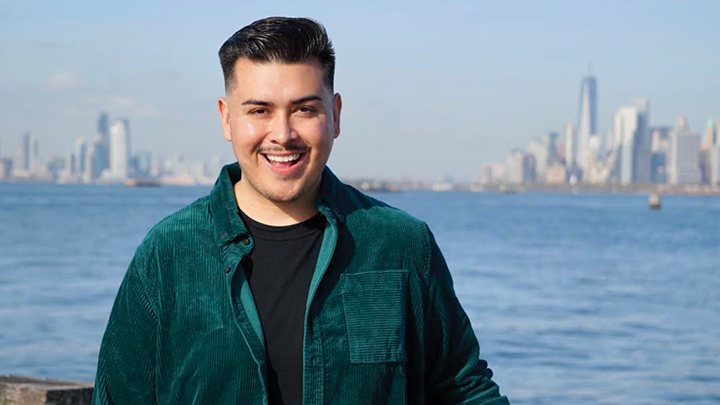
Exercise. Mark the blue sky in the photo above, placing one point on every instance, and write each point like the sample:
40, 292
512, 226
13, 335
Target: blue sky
430, 89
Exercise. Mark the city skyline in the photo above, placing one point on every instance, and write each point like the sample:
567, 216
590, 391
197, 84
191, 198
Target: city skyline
105, 158
446, 86
633, 152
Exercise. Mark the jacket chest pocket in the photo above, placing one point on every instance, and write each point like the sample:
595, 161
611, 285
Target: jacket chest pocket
375, 310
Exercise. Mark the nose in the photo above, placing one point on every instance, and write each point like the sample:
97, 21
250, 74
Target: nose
282, 132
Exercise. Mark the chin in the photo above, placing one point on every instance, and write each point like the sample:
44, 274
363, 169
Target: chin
283, 196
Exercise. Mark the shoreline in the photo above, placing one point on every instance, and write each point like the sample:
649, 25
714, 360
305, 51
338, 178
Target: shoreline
503, 188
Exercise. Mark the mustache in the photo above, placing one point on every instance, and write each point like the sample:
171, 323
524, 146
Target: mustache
288, 148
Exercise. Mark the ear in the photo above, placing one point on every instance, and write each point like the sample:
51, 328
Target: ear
337, 108
224, 109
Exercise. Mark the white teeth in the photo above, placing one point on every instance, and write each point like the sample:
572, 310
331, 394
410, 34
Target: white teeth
288, 158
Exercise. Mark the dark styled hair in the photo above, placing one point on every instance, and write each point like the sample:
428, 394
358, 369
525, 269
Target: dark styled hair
279, 39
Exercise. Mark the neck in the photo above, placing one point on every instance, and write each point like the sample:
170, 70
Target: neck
273, 213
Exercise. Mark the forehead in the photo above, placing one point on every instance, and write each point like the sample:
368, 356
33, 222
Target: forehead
278, 80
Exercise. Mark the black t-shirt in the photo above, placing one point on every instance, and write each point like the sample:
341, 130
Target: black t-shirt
279, 270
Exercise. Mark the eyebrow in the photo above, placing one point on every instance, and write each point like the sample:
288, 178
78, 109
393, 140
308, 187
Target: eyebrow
257, 102
306, 99
293, 102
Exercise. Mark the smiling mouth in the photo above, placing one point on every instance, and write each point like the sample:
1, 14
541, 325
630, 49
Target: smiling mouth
284, 161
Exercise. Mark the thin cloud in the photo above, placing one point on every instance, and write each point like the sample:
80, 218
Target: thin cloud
66, 81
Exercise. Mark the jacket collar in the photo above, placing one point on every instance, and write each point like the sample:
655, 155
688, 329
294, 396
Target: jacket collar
227, 223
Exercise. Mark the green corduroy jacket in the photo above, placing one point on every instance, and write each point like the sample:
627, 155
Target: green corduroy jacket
382, 322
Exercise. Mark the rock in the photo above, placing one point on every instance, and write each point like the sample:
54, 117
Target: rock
16, 390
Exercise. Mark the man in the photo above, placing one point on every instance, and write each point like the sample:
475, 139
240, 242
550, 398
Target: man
284, 285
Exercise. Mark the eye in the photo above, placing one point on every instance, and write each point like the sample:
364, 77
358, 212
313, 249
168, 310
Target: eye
306, 110
258, 111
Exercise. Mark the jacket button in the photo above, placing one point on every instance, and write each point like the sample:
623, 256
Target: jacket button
246, 241
227, 269
224, 235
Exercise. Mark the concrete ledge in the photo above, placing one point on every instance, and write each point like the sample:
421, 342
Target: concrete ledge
16, 390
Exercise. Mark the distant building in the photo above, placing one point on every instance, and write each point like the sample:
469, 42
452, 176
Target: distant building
515, 167
55, 166
142, 164
660, 139
35, 156
632, 138
69, 165
709, 135
709, 139
556, 174
103, 126
570, 146
715, 164
529, 165
684, 165
91, 170
101, 146
493, 173
587, 120
18, 162
25, 163
80, 156
544, 152
5, 168
97, 158
119, 151
659, 147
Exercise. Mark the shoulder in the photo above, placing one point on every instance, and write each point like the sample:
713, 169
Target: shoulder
365, 211
386, 236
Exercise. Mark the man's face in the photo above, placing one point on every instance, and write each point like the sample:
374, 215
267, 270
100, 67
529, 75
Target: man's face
281, 120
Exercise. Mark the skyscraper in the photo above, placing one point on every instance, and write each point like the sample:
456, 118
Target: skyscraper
515, 167
91, 172
119, 149
631, 137
659, 147
684, 165
709, 135
102, 145
80, 156
570, 145
715, 164
103, 126
705, 150
26, 153
35, 156
587, 120
543, 150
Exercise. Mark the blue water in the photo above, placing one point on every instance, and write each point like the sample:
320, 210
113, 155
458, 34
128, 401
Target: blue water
576, 299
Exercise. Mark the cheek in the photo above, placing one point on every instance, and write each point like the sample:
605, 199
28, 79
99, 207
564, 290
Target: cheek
246, 133
315, 132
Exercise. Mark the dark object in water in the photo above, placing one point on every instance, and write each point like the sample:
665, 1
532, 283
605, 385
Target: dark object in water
654, 201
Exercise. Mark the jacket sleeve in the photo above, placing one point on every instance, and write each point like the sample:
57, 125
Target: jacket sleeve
456, 373
126, 364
